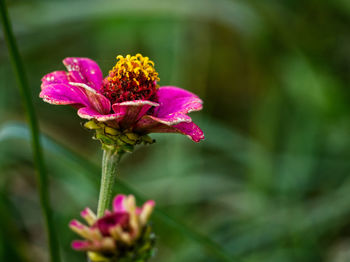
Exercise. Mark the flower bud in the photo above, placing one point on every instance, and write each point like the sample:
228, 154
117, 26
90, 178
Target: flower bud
121, 234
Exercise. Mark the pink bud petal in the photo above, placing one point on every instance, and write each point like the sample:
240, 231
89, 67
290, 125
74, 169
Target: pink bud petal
119, 203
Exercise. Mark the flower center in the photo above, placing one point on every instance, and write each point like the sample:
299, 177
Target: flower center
132, 78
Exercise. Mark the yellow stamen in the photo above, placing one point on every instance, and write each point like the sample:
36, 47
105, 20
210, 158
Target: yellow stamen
137, 64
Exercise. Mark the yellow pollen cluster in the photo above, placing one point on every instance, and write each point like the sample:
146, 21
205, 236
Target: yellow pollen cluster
135, 67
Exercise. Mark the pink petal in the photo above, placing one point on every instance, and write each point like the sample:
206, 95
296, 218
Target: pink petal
119, 203
104, 245
107, 222
86, 212
57, 89
147, 203
176, 100
81, 245
76, 225
190, 129
146, 212
54, 78
90, 113
89, 216
63, 94
97, 101
149, 121
174, 104
84, 70
171, 115
132, 111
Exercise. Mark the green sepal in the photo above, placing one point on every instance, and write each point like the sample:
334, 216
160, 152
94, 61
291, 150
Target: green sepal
114, 139
104, 139
111, 131
146, 139
92, 125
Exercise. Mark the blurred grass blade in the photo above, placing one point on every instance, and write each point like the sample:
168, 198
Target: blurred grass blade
235, 14
34, 128
20, 131
12, 239
203, 240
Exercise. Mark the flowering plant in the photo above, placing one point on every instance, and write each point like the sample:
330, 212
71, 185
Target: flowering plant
121, 234
123, 108
126, 105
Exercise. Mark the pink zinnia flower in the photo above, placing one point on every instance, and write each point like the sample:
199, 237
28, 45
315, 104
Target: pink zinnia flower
122, 230
128, 99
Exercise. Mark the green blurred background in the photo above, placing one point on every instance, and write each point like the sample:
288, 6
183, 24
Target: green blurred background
270, 182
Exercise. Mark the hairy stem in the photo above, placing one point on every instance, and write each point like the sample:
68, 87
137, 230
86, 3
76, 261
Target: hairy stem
110, 163
42, 180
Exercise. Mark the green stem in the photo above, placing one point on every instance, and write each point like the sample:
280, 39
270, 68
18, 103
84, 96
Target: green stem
42, 180
110, 163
